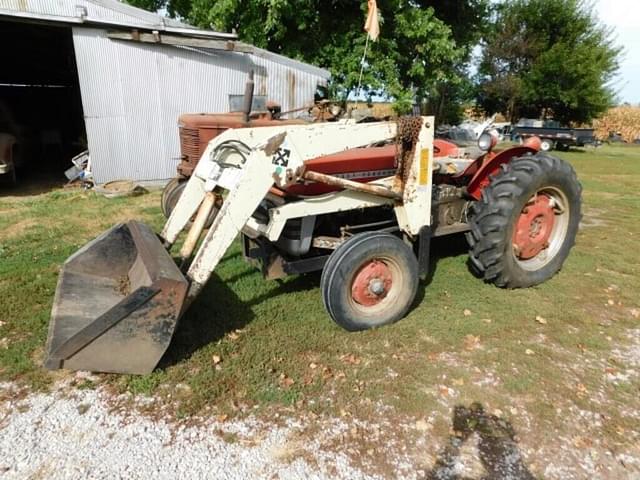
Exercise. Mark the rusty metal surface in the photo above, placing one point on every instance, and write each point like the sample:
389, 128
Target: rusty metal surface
406, 141
92, 286
103, 323
326, 242
350, 185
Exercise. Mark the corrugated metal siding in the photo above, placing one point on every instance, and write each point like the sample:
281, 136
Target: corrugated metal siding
291, 87
110, 11
133, 93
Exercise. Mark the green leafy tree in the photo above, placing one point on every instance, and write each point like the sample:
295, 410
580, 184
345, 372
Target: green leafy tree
547, 59
420, 54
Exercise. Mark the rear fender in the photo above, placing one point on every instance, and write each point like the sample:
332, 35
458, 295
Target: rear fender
483, 175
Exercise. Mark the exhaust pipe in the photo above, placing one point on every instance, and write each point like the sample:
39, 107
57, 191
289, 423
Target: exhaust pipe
248, 97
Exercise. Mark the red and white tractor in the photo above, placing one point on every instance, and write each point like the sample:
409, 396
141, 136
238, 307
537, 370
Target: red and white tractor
360, 202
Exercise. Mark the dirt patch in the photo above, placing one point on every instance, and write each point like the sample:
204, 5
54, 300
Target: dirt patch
593, 217
124, 285
17, 229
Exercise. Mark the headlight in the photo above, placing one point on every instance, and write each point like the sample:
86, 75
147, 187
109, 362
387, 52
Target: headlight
487, 141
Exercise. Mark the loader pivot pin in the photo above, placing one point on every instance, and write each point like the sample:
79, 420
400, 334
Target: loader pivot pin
534, 227
371, 284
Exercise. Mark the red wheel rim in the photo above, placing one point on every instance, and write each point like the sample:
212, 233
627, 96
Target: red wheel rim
371, 284
533, 227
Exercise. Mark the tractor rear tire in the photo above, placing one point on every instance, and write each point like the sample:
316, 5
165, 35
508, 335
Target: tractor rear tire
370, 280
525, 224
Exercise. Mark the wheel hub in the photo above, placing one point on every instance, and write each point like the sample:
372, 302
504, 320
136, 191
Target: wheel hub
534, 227
371, 284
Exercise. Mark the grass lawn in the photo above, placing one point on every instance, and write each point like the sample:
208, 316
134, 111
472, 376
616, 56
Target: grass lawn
550, 358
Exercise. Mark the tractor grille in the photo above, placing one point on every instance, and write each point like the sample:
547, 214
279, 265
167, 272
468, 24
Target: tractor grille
190, 144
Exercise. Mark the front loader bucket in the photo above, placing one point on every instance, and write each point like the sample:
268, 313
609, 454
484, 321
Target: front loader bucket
117, 304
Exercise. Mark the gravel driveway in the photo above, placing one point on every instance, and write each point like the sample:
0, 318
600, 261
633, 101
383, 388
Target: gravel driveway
57, 435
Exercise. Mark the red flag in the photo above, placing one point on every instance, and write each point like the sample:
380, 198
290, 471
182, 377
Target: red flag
372, 26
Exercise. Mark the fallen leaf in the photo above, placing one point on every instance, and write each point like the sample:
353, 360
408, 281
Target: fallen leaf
458, 381
222, 418
528, 351
471, 342
581, 389
350, 358
541, 320
233, 336
611, 302
582, 442
313, 366
216, 359
487, 320
582, 347
445, 391
286, 381
635, 313
466, 312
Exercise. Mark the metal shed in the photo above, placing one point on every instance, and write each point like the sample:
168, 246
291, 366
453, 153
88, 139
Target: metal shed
137, 72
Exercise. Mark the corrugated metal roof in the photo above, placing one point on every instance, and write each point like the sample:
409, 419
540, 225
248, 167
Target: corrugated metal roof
99, 12
113, 13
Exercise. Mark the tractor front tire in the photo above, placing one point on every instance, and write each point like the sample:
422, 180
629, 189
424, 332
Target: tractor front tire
171, 194
525, 224
370, 280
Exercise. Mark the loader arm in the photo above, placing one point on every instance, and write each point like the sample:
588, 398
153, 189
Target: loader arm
276, 155
119, 298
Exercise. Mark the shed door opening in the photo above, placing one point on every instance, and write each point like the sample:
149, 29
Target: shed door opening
40, 103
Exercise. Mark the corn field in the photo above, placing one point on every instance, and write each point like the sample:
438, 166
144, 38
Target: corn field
622, 120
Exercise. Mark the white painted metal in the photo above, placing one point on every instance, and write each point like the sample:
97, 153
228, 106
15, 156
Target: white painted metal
249, 182
239, 204
415, 211
261, 170
329, 203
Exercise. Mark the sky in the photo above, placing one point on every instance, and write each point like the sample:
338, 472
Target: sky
624, 17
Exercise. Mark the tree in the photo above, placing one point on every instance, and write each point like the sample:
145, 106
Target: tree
175, 8
547, 59
420, 55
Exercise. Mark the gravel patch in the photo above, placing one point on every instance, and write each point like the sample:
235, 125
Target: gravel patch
56, 435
